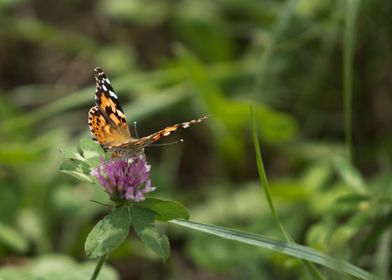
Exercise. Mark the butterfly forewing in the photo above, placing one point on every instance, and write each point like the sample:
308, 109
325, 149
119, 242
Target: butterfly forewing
108, 103
167, 131
107, 120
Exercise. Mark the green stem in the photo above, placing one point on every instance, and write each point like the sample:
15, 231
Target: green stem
352, 7
100, 262
282, 23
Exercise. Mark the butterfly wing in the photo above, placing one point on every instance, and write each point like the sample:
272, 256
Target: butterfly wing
108, 125
147, 140
106, 120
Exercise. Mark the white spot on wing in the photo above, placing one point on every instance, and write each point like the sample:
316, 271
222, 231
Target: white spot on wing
104, 88
120, 113
112, 94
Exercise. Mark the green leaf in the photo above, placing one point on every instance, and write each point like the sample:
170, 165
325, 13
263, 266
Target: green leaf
76, 168
165, 209
79, 165
109, 233
90, 149
383, 255
72, 153
55, 266
350, 175
142, 221
13, 239
291, 249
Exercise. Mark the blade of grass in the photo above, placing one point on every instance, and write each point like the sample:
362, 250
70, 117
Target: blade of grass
383, 255
264, 180
283, 22
352, 7
291, 249
265, 186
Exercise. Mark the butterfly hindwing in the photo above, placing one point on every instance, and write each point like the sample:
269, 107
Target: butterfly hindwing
103, 131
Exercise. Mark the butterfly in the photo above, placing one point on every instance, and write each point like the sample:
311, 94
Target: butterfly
109, 127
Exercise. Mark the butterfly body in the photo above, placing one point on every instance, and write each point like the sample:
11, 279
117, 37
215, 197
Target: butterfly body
108, 125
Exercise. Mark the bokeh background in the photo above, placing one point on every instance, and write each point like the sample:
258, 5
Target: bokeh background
175, 60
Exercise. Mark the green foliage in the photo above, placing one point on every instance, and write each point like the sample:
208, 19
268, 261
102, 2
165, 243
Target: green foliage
13, 239
136, 11
79, 164
108, 233
291, 249
165, 210
317, 87
56, 267
142, 220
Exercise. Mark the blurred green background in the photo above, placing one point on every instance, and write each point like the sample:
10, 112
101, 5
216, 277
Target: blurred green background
175, 60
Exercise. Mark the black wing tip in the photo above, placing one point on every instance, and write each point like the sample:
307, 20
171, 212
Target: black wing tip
99, 75
98, 70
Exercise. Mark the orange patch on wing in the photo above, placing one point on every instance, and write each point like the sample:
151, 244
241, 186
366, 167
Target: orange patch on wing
156, 137
112, 105
104, 101
106, 128
114, 118
170, 129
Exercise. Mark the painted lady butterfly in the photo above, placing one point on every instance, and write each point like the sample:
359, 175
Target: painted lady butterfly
108, 125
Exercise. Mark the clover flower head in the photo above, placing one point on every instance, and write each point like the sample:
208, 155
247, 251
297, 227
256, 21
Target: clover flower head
124, 179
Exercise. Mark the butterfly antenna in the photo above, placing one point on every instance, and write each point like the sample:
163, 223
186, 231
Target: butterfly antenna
135, 129
166, 144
